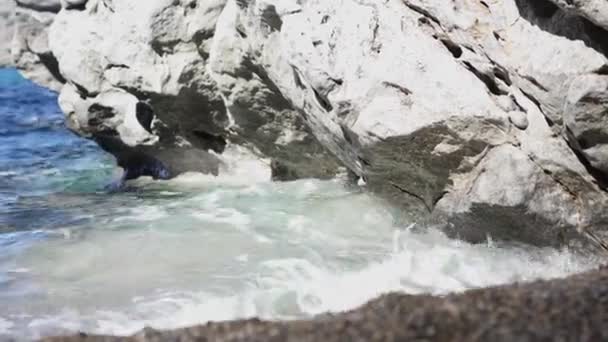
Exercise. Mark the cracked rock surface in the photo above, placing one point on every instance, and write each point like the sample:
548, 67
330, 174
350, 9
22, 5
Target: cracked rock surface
483, 117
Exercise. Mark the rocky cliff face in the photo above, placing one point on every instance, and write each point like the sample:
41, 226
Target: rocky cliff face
482, 116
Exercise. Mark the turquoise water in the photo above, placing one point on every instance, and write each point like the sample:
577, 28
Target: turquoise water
199, 248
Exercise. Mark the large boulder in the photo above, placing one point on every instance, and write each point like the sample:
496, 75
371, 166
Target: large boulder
482, 117
158, 96
453, 112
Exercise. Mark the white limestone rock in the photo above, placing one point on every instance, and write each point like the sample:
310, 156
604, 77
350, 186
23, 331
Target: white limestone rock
484, 116
7, 18
30, 47
387, 86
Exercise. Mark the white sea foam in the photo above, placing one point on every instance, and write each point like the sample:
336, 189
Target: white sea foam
273, 250
5, 326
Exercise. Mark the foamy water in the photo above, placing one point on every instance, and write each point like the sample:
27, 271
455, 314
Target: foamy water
195, 250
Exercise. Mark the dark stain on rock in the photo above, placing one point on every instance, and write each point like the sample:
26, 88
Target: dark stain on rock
271, 18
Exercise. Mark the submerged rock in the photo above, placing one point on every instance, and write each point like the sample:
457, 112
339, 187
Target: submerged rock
570, 309
482, 117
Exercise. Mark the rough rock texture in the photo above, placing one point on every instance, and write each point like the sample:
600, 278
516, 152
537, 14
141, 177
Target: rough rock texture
481, 116
571, 309
155, 95
30, 49
453, 111
7, 17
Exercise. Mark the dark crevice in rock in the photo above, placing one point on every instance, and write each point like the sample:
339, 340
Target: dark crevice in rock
454, 48
97, 115
145, 115
40, 7
297, 79
101, 112
364, 161
242, 4
292, 12
182, 113
410, 193
591, 138
399, 88
484, 4
376, 43
550, 18
212, 142
200, 36
502, 74
597, 34
241, 32
135, 163
519, 106
598, 175
468, 47
346, 134
337, 81
117, 66
422, 11
323, 101
486, 79
531, 98
559, 182
535, 82
82, 91
538, 104
603, 70
162, 48
81, 6
439, 197
542, 8
109, 5
262, 74
50, 63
